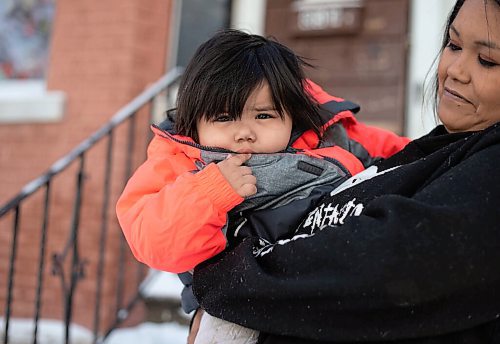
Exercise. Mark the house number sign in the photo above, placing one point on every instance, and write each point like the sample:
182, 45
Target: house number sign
327, 17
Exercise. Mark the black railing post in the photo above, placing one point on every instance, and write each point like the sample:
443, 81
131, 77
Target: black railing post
149, 133
76, 266
128, 173
104, 232
12, 262
41, 264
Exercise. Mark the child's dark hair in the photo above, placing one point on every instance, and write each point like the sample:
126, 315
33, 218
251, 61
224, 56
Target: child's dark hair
228, 67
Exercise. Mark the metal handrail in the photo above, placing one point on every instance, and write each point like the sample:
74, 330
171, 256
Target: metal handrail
120, 116
69, 279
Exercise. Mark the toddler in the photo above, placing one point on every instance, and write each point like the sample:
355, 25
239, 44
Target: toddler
249, 146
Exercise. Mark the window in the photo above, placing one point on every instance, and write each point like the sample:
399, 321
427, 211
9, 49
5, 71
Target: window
198, 20
25, 29
24, 38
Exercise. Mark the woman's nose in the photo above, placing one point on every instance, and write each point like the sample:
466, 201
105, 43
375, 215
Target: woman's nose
458, 69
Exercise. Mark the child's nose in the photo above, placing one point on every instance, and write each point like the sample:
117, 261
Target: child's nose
244, 133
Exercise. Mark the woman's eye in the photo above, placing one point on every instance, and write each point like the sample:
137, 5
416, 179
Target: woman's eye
486, 63
452, 46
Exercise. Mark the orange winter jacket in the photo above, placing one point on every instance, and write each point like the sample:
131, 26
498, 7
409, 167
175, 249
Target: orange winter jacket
171, 214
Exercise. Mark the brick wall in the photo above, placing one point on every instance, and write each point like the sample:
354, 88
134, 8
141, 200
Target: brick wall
103, 53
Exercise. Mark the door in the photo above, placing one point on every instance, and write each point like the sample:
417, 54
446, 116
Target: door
359, 49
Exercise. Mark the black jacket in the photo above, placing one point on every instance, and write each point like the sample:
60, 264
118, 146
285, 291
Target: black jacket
411, 255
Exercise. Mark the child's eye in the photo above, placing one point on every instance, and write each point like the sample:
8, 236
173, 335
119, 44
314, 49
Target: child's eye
486, 63
452, 46
222, 118
264, 116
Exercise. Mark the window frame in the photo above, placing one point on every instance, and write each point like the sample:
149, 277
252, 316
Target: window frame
28, 100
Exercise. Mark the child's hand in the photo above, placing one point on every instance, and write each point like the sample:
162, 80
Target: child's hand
240, 177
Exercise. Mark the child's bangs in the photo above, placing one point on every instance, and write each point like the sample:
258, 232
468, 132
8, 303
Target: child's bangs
282, 82
229, 96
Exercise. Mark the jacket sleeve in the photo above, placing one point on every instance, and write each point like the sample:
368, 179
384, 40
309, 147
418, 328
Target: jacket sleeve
406, 267
172, 217
378, 142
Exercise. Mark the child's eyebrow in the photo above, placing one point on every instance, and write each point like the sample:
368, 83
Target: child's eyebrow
264, 108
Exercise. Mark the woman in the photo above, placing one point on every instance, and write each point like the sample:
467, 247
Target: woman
407, 251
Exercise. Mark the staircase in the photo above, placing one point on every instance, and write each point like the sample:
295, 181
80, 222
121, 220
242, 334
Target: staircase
82, 273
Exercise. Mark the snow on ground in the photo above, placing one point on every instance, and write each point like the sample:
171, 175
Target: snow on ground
157, 285
49, 332
52, 332
161, 284
150, 333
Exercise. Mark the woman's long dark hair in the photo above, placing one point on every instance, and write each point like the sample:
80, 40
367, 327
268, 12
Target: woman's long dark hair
228, 67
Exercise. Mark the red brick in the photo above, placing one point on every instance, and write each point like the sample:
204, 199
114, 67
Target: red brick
97, 58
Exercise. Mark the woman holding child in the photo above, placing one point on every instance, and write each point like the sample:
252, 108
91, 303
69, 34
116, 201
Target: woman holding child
407, 251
